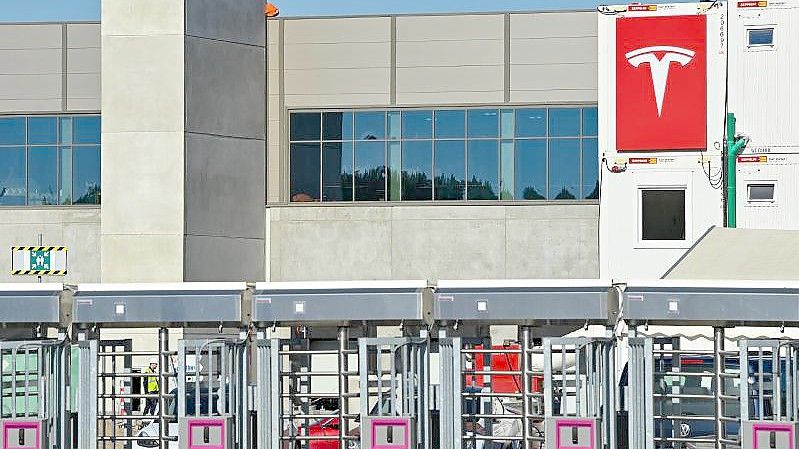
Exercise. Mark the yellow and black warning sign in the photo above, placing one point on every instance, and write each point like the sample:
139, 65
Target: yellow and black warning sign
39, 260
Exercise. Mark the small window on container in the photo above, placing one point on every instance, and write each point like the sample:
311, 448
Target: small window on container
761, 37
761, 192
663, 214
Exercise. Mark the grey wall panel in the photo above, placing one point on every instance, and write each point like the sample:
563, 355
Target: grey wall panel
224, 179
450, 59
472, 84
24, 36
30, 62
16, 106
344, 55
338, 30
83, 104
338, 84
224, 91
553, 24
83, 89
30, 93
443, 242
83, 35
557, 50
549, 78
83, 60
209, 258
231, 21
78, 228
450, 27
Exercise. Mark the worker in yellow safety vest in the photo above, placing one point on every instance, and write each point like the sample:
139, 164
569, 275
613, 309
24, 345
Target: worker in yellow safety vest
151, 386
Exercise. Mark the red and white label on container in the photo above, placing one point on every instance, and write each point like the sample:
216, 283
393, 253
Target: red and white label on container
753, 4
752, 159
661, 83
642, 7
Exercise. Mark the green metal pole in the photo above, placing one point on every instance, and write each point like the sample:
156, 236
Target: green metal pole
733, 149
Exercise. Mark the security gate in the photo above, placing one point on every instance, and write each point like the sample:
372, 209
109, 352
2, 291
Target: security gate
672, 397
499, 393
394, 393
579, 393
769, 392
211, 399
34, 395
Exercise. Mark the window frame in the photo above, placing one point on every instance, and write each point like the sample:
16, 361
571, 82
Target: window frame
760, 183
60, 147
760, 47
688, 219
580, 196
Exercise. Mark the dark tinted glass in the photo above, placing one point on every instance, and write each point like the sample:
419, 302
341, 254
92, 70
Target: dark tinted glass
483, 166
43, 176
42, 130
304, 126
12, 176
86, 174
564, 122
417, 124
564, 169
531, 169
762, 36
483, 123
450, 162
761, 192
590, 123
370, 125
663, 214
417, 170
531, 122
337, 126
590, 169
305, 172
450, 124
86, 130
370, 171
12, 131
337, 171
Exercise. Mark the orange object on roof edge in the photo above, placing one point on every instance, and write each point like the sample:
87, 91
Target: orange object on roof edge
271, 10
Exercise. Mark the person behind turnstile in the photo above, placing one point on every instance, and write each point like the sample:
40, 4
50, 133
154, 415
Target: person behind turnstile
151, 387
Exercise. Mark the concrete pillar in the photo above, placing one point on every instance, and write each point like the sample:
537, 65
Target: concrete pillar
183, 137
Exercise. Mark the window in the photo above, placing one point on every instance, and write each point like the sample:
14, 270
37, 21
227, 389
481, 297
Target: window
478, 154
49, 160
763, 192
759, 37
662, 214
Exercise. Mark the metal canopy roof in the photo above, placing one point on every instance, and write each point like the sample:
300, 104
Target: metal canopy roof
544, 301
341, 302
711, 302
27, 304
126, 305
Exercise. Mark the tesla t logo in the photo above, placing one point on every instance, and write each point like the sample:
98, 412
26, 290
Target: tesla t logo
661, 83
659, 67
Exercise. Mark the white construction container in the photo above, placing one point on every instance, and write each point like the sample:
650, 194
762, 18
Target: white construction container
764, 96
661, 132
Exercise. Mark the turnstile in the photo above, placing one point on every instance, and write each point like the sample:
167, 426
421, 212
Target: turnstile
34, 394
579, 393
769, 393
211, 398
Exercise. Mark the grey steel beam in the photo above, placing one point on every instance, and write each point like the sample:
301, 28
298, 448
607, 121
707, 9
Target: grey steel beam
30, 304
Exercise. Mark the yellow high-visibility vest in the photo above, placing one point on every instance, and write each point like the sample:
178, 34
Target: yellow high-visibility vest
151, 381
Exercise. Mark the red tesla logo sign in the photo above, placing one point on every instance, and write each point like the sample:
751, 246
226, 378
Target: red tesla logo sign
661, 83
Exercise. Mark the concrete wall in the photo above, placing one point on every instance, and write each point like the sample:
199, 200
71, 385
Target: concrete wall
183, 140
423, 242
77, 228
417, 60
49, 68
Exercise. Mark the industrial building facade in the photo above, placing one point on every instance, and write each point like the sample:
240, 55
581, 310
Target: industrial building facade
396, 147
454, 146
